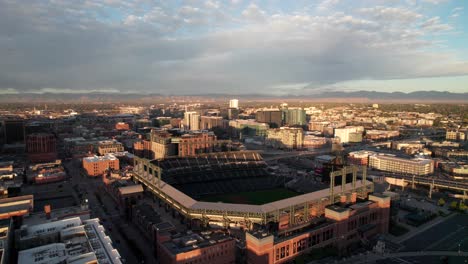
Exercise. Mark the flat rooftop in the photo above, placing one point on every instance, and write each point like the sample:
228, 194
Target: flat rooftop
192, 241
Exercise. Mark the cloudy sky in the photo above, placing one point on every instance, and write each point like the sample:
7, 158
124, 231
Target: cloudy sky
233, 46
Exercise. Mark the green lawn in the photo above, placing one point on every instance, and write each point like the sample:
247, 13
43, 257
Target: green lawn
257, 198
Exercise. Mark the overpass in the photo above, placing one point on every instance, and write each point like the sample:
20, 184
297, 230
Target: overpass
404, 180
373, 257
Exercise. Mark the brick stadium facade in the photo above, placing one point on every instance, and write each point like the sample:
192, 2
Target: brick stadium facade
340, 216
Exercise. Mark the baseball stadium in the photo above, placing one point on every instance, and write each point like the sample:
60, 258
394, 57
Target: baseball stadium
234, 189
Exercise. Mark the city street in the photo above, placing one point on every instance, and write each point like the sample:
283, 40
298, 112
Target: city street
446, 235
119, 230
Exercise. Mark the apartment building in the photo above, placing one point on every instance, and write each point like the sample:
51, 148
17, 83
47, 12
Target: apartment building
285, 137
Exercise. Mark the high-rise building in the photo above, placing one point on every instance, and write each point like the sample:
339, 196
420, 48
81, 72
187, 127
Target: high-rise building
210, 122
294, 116
14, 131
234, 103
41, 147
285, 137
191, 120
233, 113
270, 116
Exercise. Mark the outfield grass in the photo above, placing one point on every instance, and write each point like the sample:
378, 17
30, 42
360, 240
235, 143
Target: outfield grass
257, 198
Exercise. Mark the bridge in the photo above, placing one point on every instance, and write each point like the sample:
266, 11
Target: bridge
403, 180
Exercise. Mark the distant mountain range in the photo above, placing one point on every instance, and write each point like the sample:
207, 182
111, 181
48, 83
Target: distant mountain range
333, 96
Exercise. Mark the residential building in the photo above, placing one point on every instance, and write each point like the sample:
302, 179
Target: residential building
191, 120
285, 137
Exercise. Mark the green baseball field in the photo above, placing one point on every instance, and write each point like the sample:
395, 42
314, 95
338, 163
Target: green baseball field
256, 198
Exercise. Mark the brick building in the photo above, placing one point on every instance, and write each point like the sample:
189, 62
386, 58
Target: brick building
122, 126
203, 248
41, 147
97, 165
342, 227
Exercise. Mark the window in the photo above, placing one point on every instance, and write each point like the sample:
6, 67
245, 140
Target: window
283, 252
287, 250
294, 248
277, 254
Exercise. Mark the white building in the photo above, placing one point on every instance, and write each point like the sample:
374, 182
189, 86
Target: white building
191, 120
347, 134
234, 103
69, 240
395, 164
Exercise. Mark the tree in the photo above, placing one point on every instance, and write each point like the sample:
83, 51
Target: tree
462, 206
441, 202
453, 205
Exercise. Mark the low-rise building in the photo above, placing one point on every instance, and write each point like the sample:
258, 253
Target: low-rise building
360, 157
207, 247
349, 134
313, 142
70, 240
122, 126
392, 163
109, 146
97, 165
456, 135
381, 134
